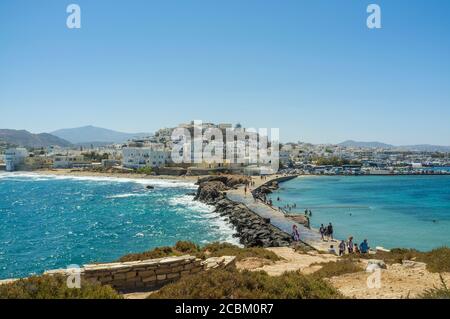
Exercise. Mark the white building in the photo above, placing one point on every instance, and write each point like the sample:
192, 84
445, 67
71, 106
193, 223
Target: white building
70, 161
14, 158
148, 156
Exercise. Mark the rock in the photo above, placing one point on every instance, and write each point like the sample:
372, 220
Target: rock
150, 187
374, 264
413, 264
252, 230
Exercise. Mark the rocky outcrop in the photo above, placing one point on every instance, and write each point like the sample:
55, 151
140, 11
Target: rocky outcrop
227, 180
210, 192
265, 189
252, 230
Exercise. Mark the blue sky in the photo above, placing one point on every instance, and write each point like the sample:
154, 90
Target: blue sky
311, 68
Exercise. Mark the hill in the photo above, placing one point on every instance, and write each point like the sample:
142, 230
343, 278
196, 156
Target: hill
27, 139
418, 148
351, 143
95, 135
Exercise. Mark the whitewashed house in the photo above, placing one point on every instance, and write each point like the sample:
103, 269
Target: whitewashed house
147, 156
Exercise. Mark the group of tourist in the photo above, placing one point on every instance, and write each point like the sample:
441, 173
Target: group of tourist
350, 247
326, 232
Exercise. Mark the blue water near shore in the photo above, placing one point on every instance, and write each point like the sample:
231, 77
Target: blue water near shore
49, 222
390, 211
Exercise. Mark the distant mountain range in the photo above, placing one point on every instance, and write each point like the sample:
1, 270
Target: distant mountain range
95, 135
419, 147
351, 143
27, 139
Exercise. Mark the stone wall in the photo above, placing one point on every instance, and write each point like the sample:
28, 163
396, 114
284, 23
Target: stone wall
145, 274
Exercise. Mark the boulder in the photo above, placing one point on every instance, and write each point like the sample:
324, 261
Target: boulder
413, 264
374, 264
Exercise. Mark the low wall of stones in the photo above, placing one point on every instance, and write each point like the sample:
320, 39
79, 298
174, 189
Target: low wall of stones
136, 275
146, 274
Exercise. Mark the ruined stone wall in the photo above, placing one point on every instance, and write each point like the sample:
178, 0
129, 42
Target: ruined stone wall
145, 274
135, 275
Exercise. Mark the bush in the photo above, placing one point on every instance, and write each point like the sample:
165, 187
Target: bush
211, 250
332, 269
187, 247
54, 287
232, 284
437, 293
225, 249
437, 260
159, 252
144, 170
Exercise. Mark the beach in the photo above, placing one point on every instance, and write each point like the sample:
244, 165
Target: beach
84, 173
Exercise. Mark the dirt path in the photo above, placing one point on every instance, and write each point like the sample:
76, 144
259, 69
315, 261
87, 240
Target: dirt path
292, 261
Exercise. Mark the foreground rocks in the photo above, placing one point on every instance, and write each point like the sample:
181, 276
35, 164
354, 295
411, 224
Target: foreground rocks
252, 230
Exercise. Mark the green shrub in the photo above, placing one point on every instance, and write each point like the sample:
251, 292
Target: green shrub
232, 284
437, 260
54, 287
159, 252
225, 249
437, 293
144, 170
187, 247
338, 268
210, 250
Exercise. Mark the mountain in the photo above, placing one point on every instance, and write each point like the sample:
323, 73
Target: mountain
95, 135
351, 143
27, 139
418, 148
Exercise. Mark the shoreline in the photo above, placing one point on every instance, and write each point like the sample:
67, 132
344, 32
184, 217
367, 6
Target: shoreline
87, 174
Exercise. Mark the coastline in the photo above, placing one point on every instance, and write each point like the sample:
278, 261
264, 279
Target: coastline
311, 234
82, 173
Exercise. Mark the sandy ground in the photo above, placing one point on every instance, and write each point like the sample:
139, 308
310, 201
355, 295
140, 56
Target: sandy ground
292, 261
397, 281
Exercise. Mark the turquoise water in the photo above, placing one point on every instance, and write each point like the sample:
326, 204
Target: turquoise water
52, 222
390, 211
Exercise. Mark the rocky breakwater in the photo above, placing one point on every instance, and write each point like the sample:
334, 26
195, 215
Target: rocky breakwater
265, 189
252, 230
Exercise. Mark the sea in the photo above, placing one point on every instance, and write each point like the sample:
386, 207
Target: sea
50, 222
390, 211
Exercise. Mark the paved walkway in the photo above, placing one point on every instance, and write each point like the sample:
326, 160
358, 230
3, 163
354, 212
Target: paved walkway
277, 219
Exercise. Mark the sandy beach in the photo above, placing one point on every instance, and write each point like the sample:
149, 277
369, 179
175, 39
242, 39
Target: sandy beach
82, 173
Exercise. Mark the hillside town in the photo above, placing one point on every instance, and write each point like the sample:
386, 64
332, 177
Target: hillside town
153, 155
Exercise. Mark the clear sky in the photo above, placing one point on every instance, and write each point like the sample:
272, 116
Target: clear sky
311, 68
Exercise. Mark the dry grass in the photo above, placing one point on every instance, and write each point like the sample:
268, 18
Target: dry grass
54, 287
437, 293
232, 284
211, 250
437, 260
338, 268
224, 249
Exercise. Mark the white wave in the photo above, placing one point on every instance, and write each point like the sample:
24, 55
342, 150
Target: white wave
207, 213
187, 201
126, 195
166, 183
